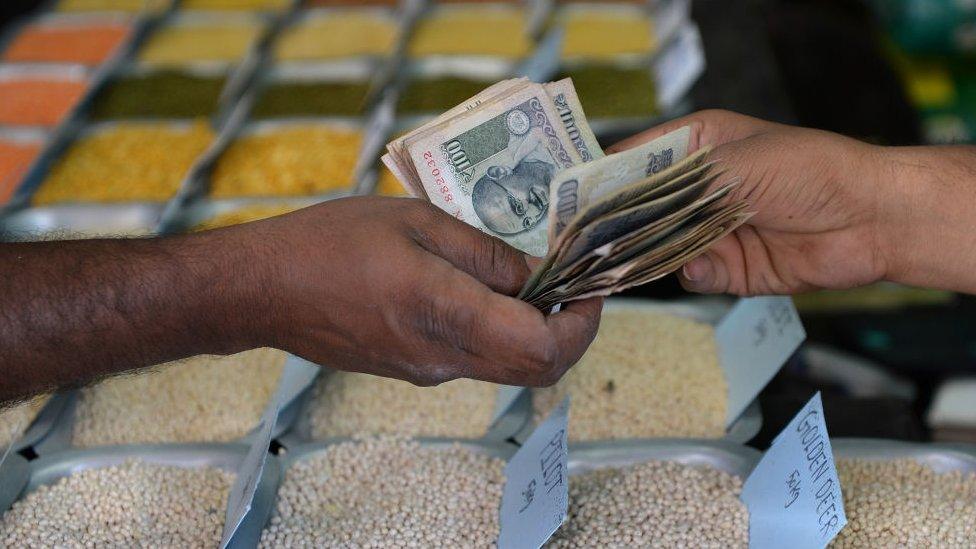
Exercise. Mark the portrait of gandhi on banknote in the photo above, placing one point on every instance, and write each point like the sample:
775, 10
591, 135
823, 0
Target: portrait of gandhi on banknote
510, 199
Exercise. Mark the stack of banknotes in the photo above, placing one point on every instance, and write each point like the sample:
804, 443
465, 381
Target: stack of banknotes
520, 162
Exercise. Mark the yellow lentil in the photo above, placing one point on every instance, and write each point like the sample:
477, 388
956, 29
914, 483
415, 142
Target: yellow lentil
341, 34
601, 34
234, 4
244, 215
177, 45
478, 30
296, 160
389, 185
126, 162
153, 6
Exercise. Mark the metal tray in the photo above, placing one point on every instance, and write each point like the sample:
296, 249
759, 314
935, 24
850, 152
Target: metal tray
722, 455
47, 470
941, 457
71, 126
204, 209
58, 437
73, 221
506, 426
709, 310
44, 422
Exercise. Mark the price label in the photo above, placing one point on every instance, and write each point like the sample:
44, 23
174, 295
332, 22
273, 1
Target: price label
536, 496
794, 494
754, 340
296, 376
248, 477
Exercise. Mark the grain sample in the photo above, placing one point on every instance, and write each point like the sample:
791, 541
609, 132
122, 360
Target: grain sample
601, 33
16, 157
612, 91
215, 43
497, 30
126, 162
291, 160
434, 95
646, 375
388, 492
135, 504
300, 98
159, 94
336, 35
256, 5
655, 504
348, 403
245, 215
149, 6
88, 44
903, 503
204, 399
16, 418
388, 185
38, 100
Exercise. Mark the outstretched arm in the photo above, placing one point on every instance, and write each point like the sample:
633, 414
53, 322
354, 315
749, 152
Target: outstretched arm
833, 212
392, 287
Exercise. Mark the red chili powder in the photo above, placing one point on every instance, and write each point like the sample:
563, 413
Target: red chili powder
15, 159
37, 101
88, 45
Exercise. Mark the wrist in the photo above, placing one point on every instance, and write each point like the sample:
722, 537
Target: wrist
925, 212
231, 277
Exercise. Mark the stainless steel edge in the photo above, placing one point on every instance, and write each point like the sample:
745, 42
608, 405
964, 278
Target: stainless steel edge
723, 455
44, 422
14, 475
941, 457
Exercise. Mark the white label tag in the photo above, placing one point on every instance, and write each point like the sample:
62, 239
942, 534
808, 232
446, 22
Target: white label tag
248, 477
678, 67
754, 341
296, 376
794, 495
536, 496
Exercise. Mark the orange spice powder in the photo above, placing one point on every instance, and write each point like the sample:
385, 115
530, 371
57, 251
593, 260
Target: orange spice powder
15, 159
89, 44
33, 101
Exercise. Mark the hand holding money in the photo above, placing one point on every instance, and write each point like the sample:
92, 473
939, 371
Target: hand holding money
520, 162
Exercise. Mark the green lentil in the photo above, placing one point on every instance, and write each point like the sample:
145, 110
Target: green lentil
312, 99
164, 94
608, 91
436, 95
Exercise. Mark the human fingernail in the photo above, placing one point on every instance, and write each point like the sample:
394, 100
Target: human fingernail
699, 271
